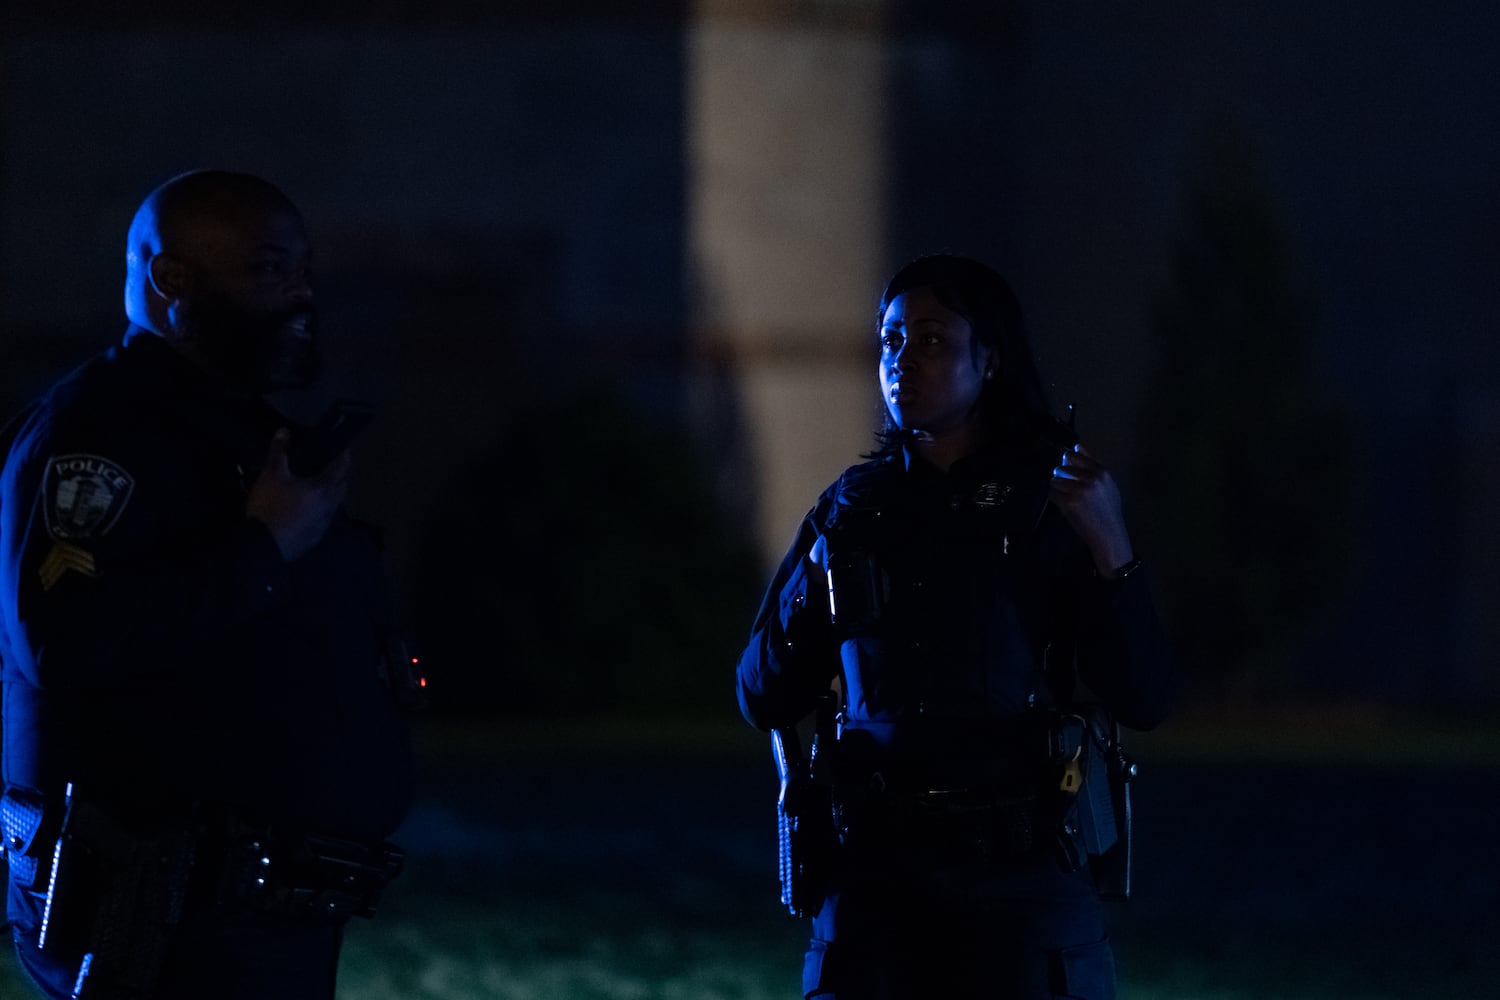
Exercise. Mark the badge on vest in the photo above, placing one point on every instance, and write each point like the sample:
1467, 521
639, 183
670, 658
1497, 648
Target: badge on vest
992, 494
85, 495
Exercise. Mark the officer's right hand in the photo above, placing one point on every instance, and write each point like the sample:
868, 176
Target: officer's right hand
297, 510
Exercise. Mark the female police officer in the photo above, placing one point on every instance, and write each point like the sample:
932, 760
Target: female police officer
956, 593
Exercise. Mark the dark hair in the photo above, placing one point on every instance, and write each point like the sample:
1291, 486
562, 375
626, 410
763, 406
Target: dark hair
1012, 406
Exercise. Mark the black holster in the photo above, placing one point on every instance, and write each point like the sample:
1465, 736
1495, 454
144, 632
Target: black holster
115, 896
1094, 788
806, 838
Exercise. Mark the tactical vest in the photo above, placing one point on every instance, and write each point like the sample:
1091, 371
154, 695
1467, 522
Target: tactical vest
944, 605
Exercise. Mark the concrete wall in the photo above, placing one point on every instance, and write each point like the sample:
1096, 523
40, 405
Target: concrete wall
787, 185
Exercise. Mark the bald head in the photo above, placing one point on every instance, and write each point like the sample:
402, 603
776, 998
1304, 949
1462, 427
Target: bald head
217, 264
188, 220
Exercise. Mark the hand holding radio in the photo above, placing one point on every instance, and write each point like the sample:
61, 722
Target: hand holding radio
1086, 494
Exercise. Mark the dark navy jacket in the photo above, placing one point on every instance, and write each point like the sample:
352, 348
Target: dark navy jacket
157, 649
963, 597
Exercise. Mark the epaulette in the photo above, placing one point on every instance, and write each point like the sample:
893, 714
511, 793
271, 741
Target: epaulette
858, 487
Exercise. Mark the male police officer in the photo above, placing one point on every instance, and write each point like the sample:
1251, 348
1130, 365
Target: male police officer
198, 665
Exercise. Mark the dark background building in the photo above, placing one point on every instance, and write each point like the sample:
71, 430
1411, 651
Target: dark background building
683, 212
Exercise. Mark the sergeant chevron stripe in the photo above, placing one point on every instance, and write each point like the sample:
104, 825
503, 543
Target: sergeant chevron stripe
62, 558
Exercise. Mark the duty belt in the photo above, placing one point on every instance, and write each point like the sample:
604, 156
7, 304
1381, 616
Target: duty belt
304, 878
227, 866
118, 892
959, 824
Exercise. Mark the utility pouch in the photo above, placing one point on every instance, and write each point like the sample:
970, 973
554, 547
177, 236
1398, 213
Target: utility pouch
856, 530
306, 879
27, 838
856, 590
348, 877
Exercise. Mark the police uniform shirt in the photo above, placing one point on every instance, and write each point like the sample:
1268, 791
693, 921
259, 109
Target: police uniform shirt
157, 648
962, 598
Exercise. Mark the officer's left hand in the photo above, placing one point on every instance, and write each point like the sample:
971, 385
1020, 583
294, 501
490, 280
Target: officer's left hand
298, 510
1086, 494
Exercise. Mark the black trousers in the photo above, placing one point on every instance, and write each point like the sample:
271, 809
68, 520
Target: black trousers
961, 933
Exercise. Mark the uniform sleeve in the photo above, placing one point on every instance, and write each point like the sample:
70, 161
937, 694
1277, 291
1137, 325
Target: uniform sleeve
1122, 654
111, 587
791, 658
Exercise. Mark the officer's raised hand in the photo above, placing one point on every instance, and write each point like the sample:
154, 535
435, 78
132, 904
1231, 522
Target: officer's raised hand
1086, 494
297, 509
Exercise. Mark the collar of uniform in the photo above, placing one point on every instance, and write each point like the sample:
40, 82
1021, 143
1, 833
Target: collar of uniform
175, 370
216, 408
148, 351
976, 467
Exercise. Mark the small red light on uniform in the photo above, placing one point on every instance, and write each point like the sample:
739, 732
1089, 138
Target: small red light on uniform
422, 682
415, 661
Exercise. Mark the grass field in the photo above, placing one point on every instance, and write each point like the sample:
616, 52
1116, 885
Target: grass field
629, 862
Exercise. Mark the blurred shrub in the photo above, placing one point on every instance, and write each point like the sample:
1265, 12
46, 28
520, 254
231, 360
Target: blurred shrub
1250, 472
585, 566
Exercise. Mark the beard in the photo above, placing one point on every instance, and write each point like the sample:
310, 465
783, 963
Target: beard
260, 351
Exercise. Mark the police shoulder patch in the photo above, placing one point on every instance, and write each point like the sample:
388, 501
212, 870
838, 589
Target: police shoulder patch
84, 495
